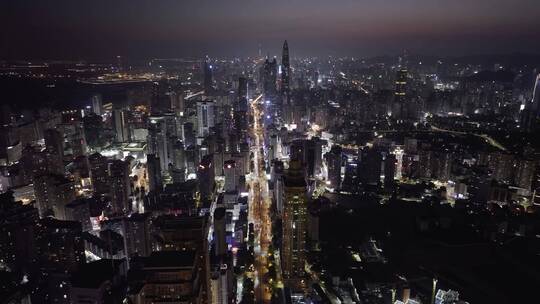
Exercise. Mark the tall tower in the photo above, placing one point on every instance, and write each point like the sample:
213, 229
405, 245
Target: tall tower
120, 125
120, 186
285, 71
400, 100
207, 77
294, 224
205, 117
97, 104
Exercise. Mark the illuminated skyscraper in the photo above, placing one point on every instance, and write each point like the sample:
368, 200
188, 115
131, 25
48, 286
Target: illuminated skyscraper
400, 93
285, 72
157, 141
205, 117
294, 224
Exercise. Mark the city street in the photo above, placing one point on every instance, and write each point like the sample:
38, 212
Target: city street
259, 208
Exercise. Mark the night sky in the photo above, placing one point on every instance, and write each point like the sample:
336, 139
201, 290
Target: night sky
71, 29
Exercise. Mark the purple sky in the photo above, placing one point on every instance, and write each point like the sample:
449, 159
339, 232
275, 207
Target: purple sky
168, 28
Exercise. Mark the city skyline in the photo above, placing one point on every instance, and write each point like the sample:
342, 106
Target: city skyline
145, 29
270, 152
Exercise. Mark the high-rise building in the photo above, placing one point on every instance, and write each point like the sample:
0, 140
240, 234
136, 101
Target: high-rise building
297, 151
183, 233
177, 102
17, 234
60, 250
208, 77
155, 182
158, 141
333, 164
285, 72
390, 163
242, 88
75, 138
240, 110
97, 104
54, 151
293, 249
79, 211
313, 155
205, 117
99, 173
370, 167
400, 94
120, 184
136, 232
99, 281
60, 244
120, 125
155, 100
33, 163
54, 141
178, 168
188, 134
167, 277
205, 176
53, 192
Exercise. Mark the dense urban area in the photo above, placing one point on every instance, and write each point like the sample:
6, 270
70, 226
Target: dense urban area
270, 179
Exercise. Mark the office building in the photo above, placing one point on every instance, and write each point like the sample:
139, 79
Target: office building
186, 233
293, 251
205, 176
158, 141
333, 164
137, 234
99, 173
205, 117
120, 186
79, 211
167, 277
97, 104
285, 73
120, 125
53, 193
155, 180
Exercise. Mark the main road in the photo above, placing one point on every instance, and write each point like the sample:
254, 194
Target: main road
259, 206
